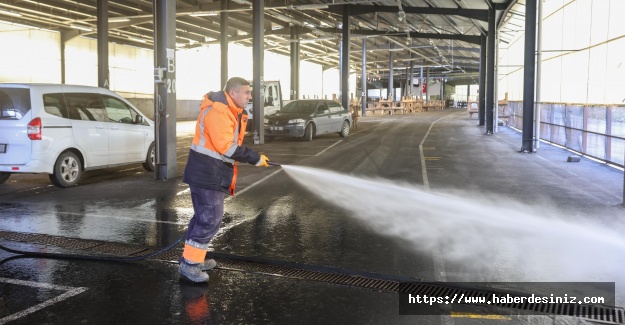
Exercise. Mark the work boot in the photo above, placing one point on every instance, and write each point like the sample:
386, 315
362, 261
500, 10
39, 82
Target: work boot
208, 265
192, 272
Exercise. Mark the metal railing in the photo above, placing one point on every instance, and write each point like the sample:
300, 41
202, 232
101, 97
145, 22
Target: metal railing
596, 131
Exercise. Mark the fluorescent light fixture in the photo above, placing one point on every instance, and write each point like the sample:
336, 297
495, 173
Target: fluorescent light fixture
118, 19
81, 27
312, 40
310, 6
203, 13
10, 13
137, 39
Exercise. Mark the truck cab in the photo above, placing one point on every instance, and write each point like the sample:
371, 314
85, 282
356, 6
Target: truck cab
272, 95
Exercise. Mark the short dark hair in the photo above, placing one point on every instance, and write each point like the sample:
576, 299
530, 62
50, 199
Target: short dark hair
235, 83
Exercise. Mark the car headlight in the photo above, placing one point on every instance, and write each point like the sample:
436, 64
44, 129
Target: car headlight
297, 121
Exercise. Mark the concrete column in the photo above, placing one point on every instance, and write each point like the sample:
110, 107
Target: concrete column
411, 78
442, 90
529, 77
103, 43
427, 84
481, 100
223, 42
345, 58
539, 63
391, 92
294, 63
490, 72
258, 48
407, 83
421, 83
364, 77
165, 91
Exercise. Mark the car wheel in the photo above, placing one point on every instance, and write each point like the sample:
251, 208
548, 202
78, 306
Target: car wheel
150, 159
344, 129
308, 133
67, 170
4, 177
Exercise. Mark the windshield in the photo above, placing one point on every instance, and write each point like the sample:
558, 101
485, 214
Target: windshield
14, 103
300, 106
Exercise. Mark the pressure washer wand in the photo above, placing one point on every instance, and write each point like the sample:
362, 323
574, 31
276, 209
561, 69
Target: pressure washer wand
273, 164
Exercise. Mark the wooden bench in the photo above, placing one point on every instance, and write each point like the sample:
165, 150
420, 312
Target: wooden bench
412, 105
385, 107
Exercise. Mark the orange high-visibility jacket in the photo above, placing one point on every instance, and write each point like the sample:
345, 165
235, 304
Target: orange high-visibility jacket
217, 144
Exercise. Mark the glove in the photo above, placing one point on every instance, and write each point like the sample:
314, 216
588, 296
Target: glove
262, 162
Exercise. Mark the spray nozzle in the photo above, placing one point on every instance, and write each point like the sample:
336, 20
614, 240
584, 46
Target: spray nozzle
273, 164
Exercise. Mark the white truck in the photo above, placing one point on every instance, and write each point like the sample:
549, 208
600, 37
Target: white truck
272, 94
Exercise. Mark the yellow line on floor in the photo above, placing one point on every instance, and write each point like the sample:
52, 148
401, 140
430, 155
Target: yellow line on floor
479, 316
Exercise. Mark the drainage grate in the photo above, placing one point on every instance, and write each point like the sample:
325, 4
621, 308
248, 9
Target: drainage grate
324, 276
377, 282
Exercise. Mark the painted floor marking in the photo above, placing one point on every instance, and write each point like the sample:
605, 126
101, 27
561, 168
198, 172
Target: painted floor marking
69, 292
439, 267
479, 316
328, 148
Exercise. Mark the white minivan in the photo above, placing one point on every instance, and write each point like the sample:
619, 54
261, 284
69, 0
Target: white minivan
62, 130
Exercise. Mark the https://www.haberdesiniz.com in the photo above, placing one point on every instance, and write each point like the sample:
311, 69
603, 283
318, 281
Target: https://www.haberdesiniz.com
502, 299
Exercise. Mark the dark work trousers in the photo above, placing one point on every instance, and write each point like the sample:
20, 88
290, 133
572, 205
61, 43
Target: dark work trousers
208, 207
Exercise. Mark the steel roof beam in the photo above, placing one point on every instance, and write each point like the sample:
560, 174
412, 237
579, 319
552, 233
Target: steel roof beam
479, 14
465, 38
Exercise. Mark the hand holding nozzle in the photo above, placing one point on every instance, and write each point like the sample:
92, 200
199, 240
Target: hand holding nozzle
263, 161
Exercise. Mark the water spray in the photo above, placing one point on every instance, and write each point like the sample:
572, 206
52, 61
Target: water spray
526, 242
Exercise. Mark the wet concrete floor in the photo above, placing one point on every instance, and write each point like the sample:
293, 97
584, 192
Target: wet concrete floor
274, 218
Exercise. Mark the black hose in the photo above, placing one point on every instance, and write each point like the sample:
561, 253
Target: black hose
92, 257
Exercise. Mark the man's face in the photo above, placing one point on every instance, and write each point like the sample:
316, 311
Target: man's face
241, 96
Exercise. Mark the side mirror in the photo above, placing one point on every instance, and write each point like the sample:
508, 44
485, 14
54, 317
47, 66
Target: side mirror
138, 119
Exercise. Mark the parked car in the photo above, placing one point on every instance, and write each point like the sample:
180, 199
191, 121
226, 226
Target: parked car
284, 102
62, 130
307, 118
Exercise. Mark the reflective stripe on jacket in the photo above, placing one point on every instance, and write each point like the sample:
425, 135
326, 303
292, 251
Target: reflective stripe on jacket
217, 144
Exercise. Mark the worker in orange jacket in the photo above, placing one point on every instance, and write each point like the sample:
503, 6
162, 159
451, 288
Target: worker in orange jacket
211, 170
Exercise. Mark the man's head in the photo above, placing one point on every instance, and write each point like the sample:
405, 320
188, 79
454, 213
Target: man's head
239, 90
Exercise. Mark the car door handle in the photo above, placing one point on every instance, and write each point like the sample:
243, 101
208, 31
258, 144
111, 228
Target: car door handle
99, 127
115, 127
